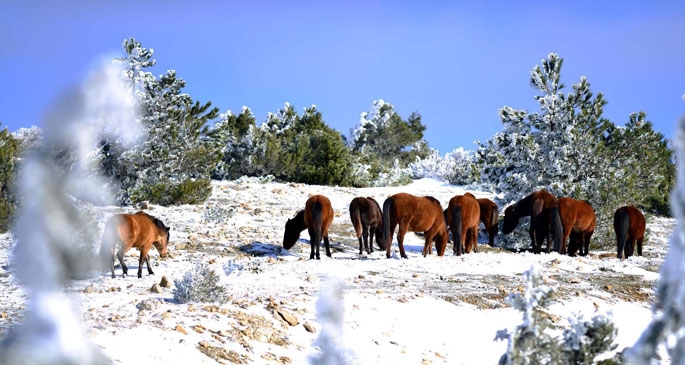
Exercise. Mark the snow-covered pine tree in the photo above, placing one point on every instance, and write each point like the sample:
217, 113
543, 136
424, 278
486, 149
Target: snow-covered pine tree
570, 150
667, 329
455, 167
234, 135
553, 149
173, 163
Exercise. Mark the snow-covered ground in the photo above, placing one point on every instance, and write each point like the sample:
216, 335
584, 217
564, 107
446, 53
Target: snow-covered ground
421, 310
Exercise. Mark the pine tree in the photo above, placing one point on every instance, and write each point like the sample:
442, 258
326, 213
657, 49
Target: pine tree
10, 151
385, 136
174, 161
569, 149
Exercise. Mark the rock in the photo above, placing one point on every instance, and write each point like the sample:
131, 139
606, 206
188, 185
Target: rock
164, 283
180, 328
149, 304
156, 288
574, 280
308, 327
288, 317
89, 289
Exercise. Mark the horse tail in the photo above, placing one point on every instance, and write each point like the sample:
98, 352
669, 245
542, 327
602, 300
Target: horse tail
621, 226
457, 229
317, 223
388, 205
557, 228
356, 218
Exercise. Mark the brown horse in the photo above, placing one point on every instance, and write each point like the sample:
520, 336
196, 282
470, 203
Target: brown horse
489, 216
367, 220
629, 225
140, 231
577, 218
317, 217
463, 216
415, 214
545, 224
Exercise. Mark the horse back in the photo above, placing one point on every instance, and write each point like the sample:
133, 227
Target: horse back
315, 205
420, 213
469, 206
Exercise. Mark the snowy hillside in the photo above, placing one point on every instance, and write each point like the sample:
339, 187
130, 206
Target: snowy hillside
422, 310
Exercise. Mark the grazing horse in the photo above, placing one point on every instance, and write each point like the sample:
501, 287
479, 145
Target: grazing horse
367, 220
415, 214
629, 225
317, 217
577, 218
489, 215
140, 231
463, 216
541, 207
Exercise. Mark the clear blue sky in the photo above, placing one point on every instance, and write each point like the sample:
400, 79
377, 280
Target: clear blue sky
454, 62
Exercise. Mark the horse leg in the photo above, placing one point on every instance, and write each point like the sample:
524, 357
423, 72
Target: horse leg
365, 234
533, 240
586, 244
428, 245
474, 238
372, 230
120, 256
328, 246
400, 240
639, 246
144, 253
112, 256
360, 245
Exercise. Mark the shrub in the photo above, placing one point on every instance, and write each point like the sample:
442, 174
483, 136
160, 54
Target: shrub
189, 191
200, 285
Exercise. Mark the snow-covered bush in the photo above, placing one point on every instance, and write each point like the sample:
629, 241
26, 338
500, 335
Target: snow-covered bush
203, 285
534, 340
455, 167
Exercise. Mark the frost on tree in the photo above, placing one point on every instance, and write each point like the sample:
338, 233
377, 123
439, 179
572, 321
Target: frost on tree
550, 149
667, 329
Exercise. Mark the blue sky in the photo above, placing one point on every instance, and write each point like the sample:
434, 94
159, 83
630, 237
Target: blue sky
456, 63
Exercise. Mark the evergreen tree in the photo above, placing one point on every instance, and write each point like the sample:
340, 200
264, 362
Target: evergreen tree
570, 150
383, 135
10, 151
234, 135
174, 161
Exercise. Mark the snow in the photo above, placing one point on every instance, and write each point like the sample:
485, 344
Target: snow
421, 310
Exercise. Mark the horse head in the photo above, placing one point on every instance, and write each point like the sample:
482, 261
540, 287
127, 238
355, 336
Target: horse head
163, 241
511, 219
293, 227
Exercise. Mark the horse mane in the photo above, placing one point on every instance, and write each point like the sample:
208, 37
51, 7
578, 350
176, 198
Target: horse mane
160, 225
432, 199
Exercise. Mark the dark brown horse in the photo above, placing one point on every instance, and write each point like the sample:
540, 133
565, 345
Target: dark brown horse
317, 217
629, 225
489, 216
415, 214
577, 219
463, 216
140, 231
545, 224
367, 220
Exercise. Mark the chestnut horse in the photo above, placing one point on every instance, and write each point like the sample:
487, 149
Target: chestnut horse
577, 218
463, 216
367, 220
629, 225
140, 231
317, 217
489, 216
415, 214
545, 223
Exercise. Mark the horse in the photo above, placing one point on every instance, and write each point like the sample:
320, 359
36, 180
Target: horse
415, 214
317, 218
140, 231
577, 217
629, 225
489, 216
463, 216
367, 219
545, 223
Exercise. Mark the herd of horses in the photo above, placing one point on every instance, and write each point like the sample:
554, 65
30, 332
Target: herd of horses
564, 224
552, 221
